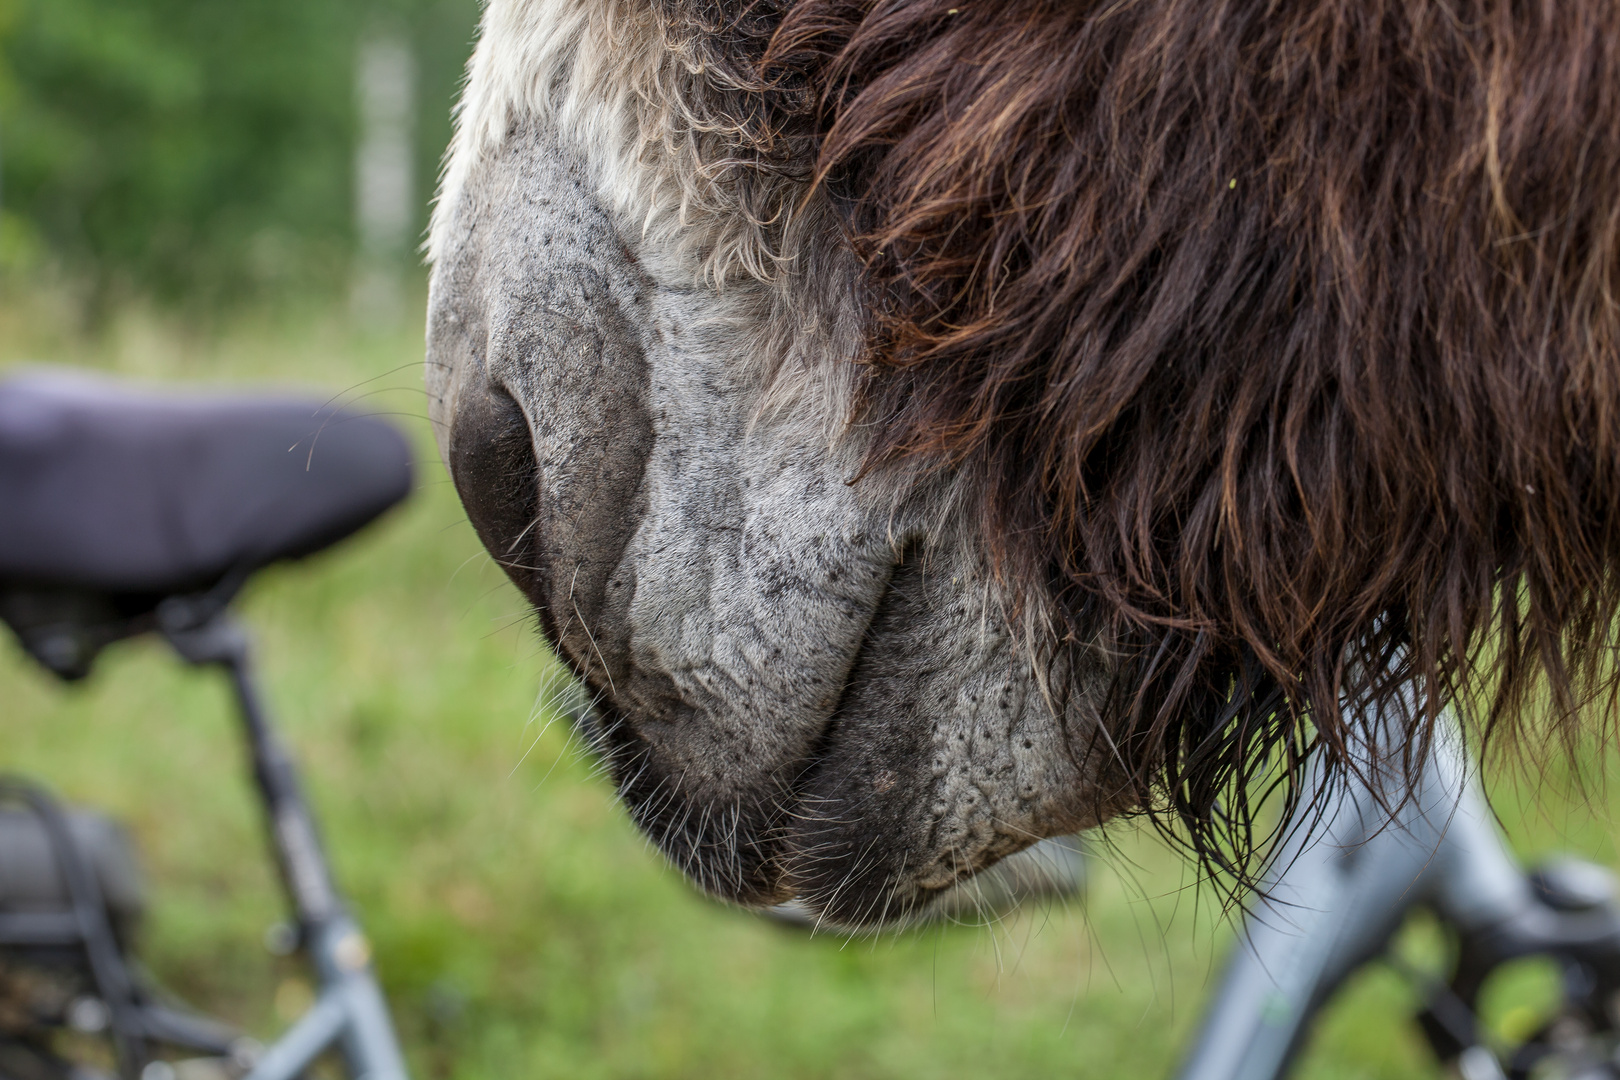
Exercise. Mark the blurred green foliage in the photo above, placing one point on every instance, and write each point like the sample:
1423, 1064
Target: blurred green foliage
201, 149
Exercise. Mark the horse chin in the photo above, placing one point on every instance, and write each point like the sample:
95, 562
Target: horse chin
893, 803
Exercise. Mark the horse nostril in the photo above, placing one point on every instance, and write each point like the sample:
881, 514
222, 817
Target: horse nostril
492, 462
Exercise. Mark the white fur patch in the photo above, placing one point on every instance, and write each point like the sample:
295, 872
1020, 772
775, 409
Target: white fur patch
601, 73
696, 213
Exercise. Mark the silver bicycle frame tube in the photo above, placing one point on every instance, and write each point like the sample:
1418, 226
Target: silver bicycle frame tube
350, 1008
1340, 891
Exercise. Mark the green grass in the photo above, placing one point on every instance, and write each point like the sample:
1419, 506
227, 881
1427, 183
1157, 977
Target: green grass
522, 928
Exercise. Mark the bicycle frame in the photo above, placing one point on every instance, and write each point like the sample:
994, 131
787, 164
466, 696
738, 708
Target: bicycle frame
350, 1010
1342, 889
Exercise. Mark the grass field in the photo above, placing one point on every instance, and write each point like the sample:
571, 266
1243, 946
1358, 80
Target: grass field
522, 928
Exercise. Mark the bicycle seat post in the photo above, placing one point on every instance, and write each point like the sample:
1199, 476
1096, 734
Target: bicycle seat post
219, 639
352, 1008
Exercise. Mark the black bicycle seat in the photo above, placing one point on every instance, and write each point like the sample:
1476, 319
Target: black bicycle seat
115, 493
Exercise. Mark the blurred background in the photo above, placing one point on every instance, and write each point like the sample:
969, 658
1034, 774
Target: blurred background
234, 192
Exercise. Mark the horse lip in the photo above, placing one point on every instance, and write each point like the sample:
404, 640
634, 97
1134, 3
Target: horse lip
764, 854
728, 842
732, 848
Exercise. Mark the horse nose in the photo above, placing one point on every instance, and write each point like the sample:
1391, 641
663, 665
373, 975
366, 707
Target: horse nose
491, 457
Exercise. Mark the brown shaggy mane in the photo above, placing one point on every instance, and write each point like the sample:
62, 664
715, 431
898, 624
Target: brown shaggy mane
1283, 336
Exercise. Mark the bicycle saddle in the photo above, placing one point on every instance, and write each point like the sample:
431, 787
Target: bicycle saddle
127, 496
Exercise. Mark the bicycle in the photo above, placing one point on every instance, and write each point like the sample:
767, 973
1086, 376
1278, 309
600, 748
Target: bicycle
131, 512
1346, 881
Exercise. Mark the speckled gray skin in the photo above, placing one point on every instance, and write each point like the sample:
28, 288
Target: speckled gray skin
804, 686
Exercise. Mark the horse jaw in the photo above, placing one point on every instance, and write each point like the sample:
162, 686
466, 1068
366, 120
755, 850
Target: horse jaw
804, 685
